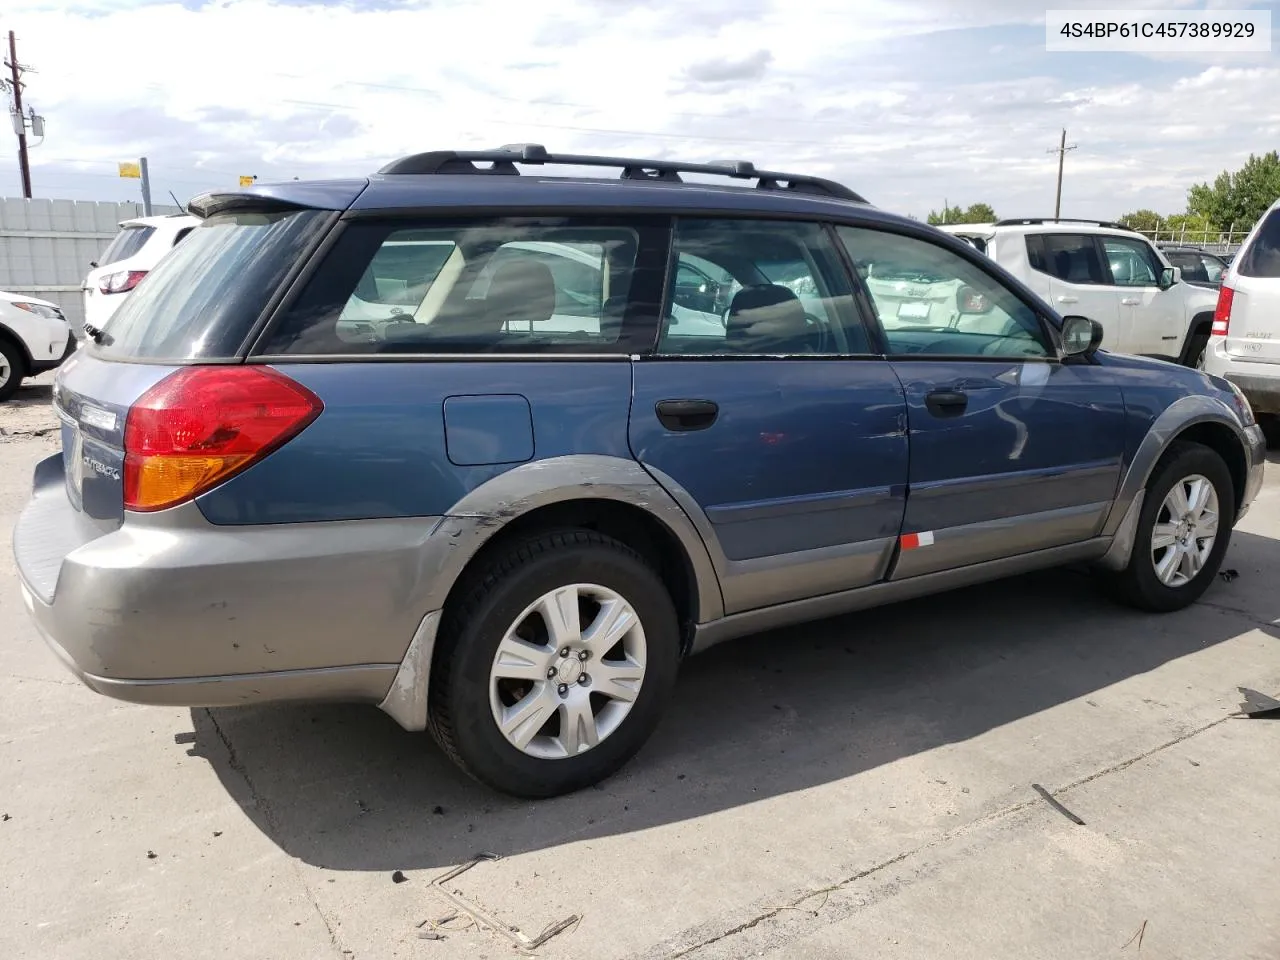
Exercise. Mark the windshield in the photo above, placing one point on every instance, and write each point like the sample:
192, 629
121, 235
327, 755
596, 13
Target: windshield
203, 299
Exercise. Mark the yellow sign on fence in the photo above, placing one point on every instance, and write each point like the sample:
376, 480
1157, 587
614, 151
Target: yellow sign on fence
247, 181
131, 170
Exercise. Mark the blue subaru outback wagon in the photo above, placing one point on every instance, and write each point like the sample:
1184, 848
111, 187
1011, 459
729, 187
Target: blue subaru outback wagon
495, 449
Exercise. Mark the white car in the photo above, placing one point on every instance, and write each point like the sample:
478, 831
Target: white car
134, 252
34, 338
1103, 271
1245, 346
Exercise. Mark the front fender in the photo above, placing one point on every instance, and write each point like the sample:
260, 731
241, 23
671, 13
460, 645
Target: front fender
1179, 416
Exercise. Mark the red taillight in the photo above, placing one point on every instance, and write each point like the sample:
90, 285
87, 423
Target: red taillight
1222, 313
121, 282
201, 425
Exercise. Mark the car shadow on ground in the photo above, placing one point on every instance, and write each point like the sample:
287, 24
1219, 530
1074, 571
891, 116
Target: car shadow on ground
343, 787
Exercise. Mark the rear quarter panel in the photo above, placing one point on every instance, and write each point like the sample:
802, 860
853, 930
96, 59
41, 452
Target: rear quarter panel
385, 446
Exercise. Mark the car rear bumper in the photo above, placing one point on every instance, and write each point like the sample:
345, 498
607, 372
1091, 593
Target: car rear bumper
1258, 379
170, 609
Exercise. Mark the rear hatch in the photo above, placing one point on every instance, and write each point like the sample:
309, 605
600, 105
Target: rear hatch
1252, 292
199, 305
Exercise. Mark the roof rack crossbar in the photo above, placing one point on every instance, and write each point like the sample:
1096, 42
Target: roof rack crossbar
1021, 221
502, 162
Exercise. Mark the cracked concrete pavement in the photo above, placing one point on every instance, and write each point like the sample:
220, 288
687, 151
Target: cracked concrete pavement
856, 787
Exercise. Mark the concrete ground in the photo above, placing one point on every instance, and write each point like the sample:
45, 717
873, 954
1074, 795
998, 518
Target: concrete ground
856, 787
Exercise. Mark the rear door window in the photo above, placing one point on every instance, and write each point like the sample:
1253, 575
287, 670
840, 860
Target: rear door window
1262, 259
758, 288
493, 286
1070, 257
126, 243
205, 296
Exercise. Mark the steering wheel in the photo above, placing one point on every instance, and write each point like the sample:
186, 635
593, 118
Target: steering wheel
820, 329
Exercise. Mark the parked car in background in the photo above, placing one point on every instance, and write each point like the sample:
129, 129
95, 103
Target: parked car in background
34, 339
1107, 273
507, 507
1245, 346
1199, 267
134, 253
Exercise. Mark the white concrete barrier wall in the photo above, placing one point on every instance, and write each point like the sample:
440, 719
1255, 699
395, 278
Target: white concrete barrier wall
46, 246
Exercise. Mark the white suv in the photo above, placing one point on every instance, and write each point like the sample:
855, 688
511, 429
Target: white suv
134, 252
34, 339
1245, 346
1105, 272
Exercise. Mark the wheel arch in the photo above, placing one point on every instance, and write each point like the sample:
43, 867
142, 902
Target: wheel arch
611, 495
1196, 419
1201, 326
8, 335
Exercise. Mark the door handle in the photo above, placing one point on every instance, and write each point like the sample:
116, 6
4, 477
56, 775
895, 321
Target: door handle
1068, 299
684, 415
946, 403
1130, 301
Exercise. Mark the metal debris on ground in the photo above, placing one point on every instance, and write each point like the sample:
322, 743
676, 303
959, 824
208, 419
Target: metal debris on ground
1056, 805
1258, 705
483, 919
1228, 575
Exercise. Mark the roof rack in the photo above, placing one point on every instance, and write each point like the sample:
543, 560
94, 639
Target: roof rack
1034, 220
505, 158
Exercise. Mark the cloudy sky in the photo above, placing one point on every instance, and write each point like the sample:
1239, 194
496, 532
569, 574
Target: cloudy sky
910, 102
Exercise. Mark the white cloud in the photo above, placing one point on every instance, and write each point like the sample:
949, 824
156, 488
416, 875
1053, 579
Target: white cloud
285, 89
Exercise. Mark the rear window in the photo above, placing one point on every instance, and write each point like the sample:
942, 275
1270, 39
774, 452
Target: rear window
1262, 259
494, 286
126, 243
202, 300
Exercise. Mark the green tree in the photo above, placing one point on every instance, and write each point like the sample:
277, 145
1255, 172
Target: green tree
1238, 197
1143, 220
977, 213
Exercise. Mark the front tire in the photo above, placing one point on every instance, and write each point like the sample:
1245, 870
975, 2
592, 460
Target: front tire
12, 369
553, 669
1183, 531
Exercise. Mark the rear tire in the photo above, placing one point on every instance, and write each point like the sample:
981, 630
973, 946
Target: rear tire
12, 369
517, 714
1171, 540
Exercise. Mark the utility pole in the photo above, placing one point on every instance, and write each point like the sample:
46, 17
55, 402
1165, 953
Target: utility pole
19, 121
1061, 152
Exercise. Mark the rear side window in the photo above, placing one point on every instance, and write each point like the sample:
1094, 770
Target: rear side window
205, 296
1262, 259
126, 243
1067, 256
1192, 267
494, 286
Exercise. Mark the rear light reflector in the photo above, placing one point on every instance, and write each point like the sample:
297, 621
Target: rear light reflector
1222, 314
121, 282
200, 426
